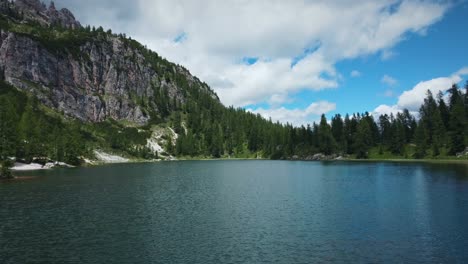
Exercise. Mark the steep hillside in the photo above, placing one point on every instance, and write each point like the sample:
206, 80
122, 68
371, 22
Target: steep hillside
87, 73
108, 91
73, 94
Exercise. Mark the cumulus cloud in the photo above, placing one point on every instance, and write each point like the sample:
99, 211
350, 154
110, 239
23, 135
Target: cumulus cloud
414, 98
463, 71
386, 110
356, 74
389, 80
218, 35
296, 44
297, 116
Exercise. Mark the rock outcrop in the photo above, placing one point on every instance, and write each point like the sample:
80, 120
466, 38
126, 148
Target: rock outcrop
37, 11
100, 78
64, 17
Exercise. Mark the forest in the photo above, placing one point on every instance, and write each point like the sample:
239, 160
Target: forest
440, 130
207, 129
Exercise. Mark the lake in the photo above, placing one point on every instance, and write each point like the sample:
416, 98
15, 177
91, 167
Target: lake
238, 212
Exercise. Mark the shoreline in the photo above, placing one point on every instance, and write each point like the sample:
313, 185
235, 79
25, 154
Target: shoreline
446, 161
440, 161
20, 167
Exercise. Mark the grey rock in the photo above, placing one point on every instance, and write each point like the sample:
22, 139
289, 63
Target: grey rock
323, 157
37, 11
64, 17
104, 78
101, 83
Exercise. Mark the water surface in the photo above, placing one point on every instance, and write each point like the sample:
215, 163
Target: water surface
238, 212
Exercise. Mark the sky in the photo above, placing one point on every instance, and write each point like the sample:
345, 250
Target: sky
294, 60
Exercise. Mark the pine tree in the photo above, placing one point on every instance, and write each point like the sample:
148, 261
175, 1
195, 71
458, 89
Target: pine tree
326, 141
438, 136
409, 122
348, 135
421, 138
28, 133
337, 129
432, 121
217, 148
444, 110
363, 139
398, 137
457, 123
385, 130
8, 127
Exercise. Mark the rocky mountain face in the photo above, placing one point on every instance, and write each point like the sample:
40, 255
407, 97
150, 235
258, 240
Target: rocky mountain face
37, 11
92, 79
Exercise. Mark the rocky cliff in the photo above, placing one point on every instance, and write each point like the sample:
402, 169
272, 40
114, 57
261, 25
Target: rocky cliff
87, 74
37, 11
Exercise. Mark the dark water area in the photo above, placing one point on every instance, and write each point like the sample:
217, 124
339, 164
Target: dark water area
238, 212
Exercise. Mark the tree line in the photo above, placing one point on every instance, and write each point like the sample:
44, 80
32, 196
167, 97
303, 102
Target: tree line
30, 131
440, 129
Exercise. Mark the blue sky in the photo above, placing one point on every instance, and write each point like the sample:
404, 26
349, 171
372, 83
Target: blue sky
440, 51
293, 60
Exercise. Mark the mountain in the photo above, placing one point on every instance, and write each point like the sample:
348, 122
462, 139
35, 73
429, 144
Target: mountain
87, 74
108, 91
72, 93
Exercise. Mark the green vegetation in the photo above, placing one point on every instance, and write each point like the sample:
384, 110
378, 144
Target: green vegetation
211, 130
5, 171
207, 129
30, 131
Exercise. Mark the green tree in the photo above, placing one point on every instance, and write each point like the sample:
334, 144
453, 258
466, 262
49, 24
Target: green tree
217, 148
457, 123
385, 130
409, 123
398, 139
337, 129
5, 170
363, 139
432, 123
444, 110
8, 129
326, 141
28, 133
421, 138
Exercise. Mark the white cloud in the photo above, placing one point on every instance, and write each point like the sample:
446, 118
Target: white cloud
356, 74
463, 71
219, 34
389, 80
278, 99
386, 110
297, 116
414, 98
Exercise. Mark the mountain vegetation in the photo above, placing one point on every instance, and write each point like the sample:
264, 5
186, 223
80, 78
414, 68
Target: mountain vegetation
48, 113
